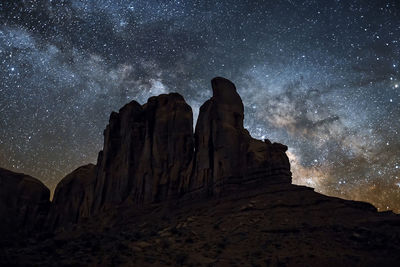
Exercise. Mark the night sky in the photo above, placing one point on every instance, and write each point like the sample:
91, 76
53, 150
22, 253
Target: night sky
322, 77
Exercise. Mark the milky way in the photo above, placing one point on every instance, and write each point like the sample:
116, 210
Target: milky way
322, 77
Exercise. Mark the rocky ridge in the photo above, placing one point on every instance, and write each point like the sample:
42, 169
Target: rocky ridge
162, 194
151, 155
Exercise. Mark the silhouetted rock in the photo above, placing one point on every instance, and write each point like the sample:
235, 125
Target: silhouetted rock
225, 152
151, 155
72, 197
147, 152
148, 200
24, 202
268, 224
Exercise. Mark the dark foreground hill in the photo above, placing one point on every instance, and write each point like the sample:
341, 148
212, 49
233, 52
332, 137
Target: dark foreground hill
161, 194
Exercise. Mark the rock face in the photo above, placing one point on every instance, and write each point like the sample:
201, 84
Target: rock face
146, 157
147, 152
224, 151
134, 207
151, 155
72, 196
24, 202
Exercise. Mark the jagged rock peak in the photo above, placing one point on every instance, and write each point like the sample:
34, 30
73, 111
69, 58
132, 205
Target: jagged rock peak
151, 155
225, 151
224, 91
147, 150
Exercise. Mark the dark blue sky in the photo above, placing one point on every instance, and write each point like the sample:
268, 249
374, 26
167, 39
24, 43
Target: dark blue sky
322, 77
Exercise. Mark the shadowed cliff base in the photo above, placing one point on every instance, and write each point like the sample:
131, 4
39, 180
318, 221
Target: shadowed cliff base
161, 194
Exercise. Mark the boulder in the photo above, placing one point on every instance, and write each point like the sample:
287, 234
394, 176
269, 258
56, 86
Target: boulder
73, 197
24, 202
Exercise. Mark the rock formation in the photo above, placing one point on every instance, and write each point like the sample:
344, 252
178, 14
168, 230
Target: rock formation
24, 202
151, 155
224, 151
72, 197
161, 194
147, 152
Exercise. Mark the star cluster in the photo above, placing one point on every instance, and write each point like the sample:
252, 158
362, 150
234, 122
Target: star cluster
321, 76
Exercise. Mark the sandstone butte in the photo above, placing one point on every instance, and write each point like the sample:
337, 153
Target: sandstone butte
156, 172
